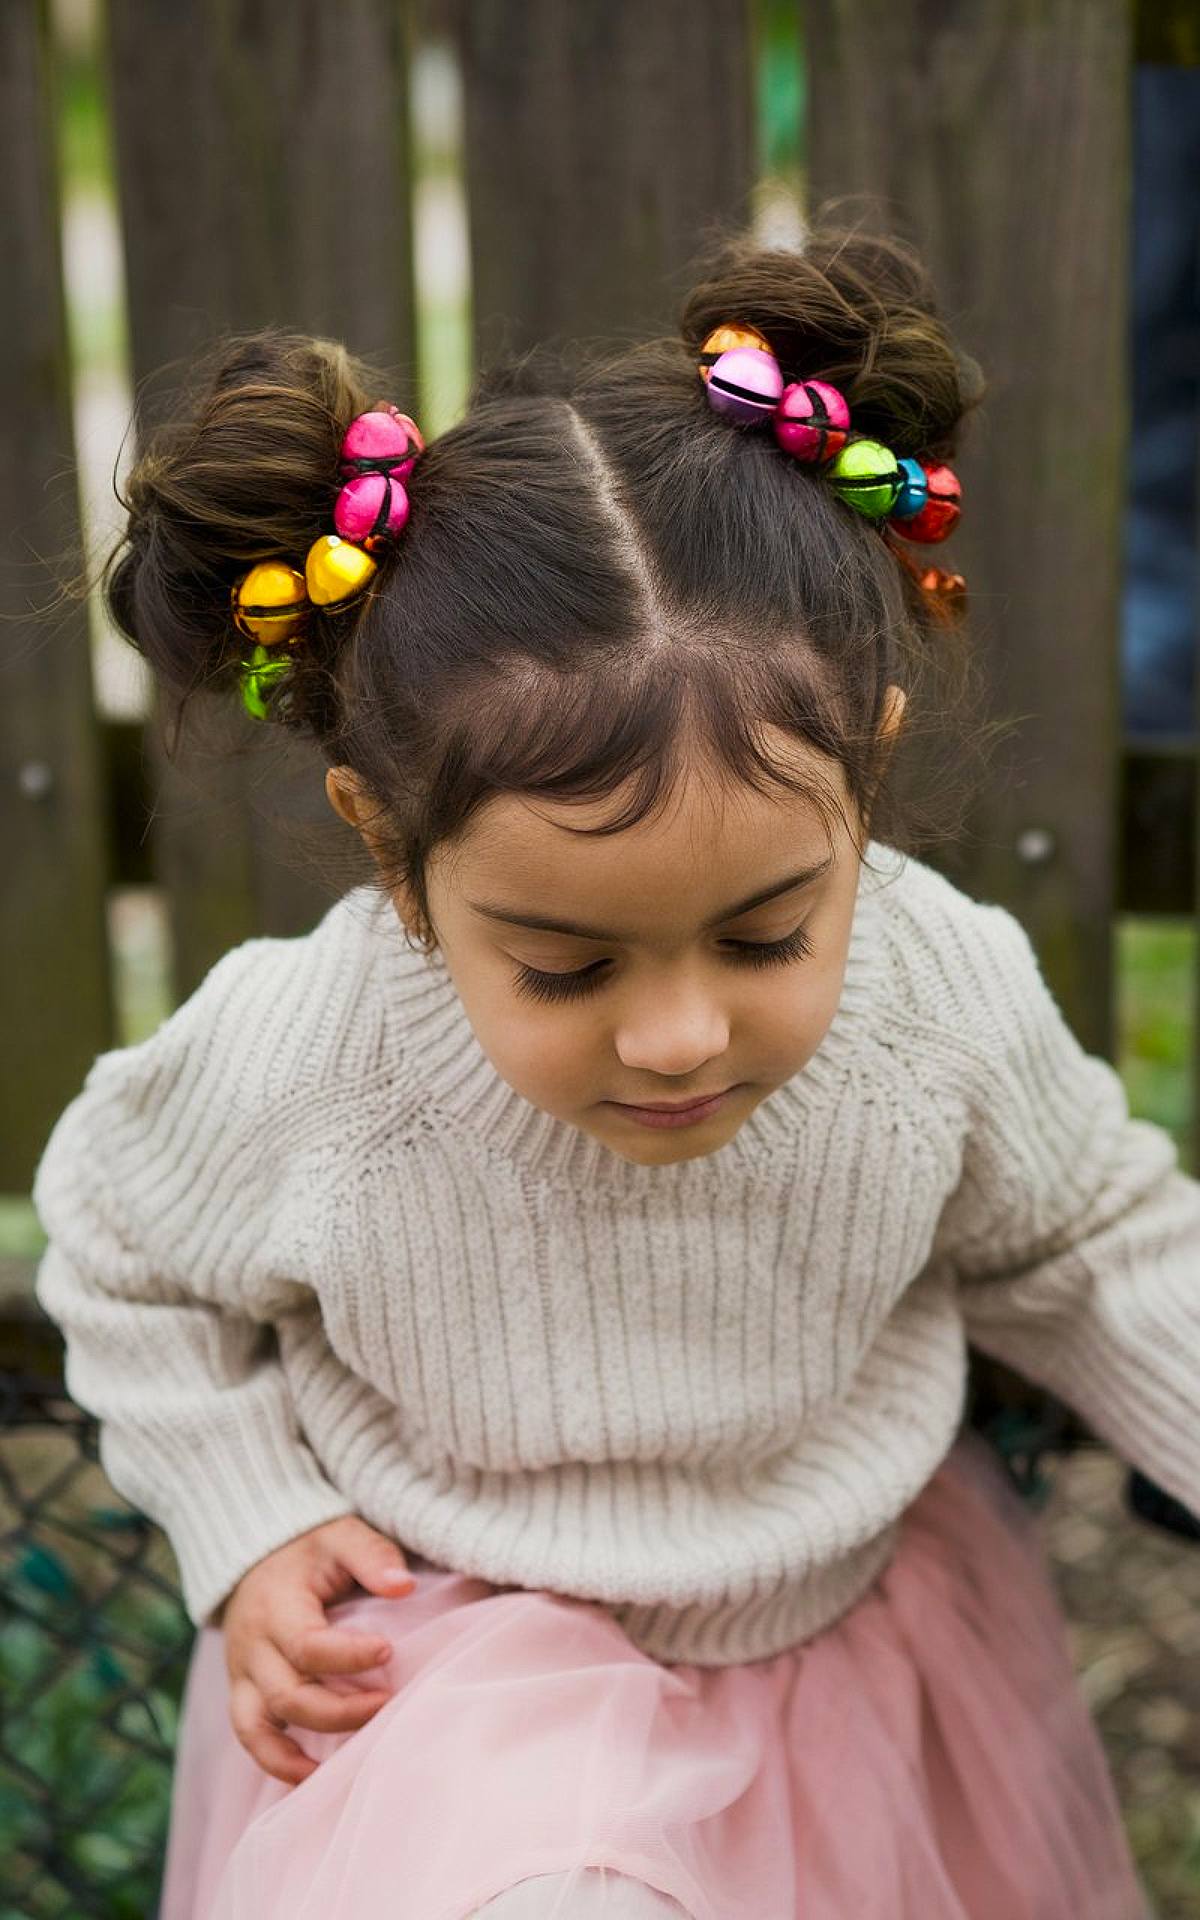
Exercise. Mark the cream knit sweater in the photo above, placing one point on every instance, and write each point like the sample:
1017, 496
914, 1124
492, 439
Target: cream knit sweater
312, 1256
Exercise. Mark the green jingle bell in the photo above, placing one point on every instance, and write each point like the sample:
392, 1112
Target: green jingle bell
258, 676
867, 475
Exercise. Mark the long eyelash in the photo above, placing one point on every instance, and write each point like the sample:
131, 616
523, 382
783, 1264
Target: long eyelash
768, 953
573, 986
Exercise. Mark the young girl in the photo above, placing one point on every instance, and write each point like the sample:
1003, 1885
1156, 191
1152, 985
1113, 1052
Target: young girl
535, 1302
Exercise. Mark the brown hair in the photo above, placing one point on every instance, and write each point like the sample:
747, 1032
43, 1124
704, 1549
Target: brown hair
597, 570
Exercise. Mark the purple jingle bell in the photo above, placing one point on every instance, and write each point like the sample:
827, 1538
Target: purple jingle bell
812, 420
744, 384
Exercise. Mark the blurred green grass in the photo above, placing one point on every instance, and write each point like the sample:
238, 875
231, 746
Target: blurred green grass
85, 157
1155, 970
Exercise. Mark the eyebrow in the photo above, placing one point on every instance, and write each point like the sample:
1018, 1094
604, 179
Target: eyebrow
543, 923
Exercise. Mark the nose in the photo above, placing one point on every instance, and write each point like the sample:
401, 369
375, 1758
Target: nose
676, 1031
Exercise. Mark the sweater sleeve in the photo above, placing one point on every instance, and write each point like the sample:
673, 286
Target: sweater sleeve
151, 1190
1074, 1232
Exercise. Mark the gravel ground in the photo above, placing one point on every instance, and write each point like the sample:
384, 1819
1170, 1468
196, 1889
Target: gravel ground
1131, 1594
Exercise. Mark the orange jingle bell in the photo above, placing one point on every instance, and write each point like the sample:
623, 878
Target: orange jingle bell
723, 340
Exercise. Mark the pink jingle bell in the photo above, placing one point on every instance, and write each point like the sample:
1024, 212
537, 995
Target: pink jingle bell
382, 441
939, 516
370, 508
812, 420
744, 384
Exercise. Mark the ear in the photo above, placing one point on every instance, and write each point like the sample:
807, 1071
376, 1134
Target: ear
349, 798
343, 790
894, 704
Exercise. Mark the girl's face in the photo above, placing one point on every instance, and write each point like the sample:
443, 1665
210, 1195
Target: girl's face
672, 984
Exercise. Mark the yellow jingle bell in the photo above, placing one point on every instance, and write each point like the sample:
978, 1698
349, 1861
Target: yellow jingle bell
269, 601
723, 339
335, 569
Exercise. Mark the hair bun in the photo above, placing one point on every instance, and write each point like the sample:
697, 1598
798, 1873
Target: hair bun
853, 308
246, 471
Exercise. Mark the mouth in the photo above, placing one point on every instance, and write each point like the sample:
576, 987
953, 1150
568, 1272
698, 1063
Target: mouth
676, 1113
673, 1106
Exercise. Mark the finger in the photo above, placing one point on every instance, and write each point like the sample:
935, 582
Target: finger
303, 1635
291, 1700
375, 1561
313, 1705
279, 1756
319, 1650
268, 1746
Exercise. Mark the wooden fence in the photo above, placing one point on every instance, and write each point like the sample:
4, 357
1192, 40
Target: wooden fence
264, 172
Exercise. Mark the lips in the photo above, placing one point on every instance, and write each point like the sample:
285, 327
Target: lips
681, 1106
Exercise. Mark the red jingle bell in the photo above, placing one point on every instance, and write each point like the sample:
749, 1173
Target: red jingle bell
939, 516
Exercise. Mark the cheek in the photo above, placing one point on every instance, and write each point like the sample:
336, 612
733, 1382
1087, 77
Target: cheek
823, 988
785, 1023
820, 1005
793, 1010
531, 1046
536, 1048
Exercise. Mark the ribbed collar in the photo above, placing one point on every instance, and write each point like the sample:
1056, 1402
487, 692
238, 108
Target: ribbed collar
432, 1031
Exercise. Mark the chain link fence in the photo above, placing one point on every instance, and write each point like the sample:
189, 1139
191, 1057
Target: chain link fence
94, 1644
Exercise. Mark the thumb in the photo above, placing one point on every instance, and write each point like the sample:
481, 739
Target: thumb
375, 1561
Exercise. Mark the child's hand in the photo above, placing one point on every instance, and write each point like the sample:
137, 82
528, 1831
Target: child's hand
277, 1639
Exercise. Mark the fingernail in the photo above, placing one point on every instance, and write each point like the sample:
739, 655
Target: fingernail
399, 1579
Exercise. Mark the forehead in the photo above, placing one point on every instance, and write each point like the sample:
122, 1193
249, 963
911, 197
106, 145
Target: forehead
711, 838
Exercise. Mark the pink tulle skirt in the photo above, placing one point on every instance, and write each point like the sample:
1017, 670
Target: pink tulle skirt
927, 1757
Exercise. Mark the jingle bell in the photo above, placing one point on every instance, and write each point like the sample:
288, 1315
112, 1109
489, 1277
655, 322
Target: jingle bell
381, 441
258, 676
722, 340
335, 569
867, 475
812, 420
371, 507
745, 384
938, 515
268, 602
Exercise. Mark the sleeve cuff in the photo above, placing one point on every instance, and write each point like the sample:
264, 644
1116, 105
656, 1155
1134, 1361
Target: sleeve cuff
247, 1501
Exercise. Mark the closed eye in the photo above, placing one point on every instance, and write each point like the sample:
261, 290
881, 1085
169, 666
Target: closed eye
538, 985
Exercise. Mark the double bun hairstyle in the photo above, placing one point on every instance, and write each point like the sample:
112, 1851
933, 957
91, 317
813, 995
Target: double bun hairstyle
597, 574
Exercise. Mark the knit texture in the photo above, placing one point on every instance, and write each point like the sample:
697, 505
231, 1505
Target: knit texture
313, 1256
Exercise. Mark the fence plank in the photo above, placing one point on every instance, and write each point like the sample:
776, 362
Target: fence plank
600, 137
999, 135
263, 155
55, 992
1166, 33
1193, 1154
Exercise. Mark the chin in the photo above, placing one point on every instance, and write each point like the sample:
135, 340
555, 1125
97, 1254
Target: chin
652, 1148
663, 1156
